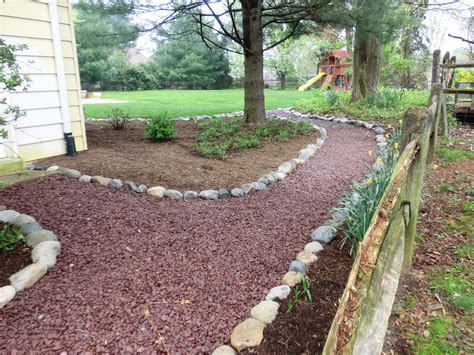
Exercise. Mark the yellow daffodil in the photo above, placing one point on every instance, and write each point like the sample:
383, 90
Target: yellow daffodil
370, 153
389, 126
396, 145
387, 135
368, 181
378, 160
435, 166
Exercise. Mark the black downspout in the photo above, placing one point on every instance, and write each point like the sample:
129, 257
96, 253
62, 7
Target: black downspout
70, 144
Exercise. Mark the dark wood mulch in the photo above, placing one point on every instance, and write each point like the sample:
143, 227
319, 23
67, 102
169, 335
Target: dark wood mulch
305, 328
13, 261
127, 154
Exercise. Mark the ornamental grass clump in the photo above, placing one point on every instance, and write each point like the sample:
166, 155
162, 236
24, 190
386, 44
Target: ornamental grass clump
359, 205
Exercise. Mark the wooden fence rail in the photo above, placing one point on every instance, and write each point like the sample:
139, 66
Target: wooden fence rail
387, 249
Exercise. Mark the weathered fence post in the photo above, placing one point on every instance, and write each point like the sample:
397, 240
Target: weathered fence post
435, 67
435, 99
415, 124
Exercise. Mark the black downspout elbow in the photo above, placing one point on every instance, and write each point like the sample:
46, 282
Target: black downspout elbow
70, 145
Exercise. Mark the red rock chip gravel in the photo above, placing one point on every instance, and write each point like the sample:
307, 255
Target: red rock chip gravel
141, 274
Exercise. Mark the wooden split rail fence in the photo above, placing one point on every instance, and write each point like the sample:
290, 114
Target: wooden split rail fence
360, 323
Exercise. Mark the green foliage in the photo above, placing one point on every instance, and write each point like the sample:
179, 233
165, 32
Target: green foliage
453, 155
334, 98
188, 103
456, 284
218, 137
99, 33
119, 119
10, 237
386, 98
359, 205
161, 128
186, 62
390, 104
303, 290
436, 342
446, 187
10, 79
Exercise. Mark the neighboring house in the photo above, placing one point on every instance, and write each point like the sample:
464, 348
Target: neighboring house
52, 103
136, 57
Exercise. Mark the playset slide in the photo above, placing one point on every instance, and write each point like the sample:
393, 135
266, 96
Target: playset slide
311, 82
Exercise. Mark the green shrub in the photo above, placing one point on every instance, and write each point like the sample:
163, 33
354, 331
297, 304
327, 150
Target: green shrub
161, 128
218, 137
386, 98
10, 237
333, 98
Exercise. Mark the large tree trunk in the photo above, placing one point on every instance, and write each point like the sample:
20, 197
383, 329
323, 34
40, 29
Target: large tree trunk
254, 109
283, 82
366, 64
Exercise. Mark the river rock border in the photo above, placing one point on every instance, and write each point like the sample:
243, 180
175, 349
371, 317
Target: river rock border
261, 184
249, 333
46, 249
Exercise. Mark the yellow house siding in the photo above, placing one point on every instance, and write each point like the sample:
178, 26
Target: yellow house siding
40, 132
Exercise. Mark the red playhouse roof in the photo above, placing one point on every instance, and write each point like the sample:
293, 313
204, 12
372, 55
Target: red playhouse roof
338, 53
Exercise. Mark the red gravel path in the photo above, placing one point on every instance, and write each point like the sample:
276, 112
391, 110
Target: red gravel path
122, 251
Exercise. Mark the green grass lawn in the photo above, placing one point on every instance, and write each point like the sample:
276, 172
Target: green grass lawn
188, 103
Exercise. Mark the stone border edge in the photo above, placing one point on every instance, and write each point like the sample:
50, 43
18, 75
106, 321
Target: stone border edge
261, 184
45, 250
249, 332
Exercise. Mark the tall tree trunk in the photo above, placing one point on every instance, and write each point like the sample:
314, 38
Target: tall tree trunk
254, 109
366, 64
283, 82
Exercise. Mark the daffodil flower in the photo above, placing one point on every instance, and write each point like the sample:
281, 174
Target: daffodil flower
370, 153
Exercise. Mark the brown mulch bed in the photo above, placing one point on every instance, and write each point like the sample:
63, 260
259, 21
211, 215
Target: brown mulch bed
305, 328
13, 261
138, 273
127, 154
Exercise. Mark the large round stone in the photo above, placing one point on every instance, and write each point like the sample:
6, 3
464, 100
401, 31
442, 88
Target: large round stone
29, 228
306, 257
85, 178
27, 276
45, 253
224, 350
313, 247
209, 194
298, 266
156, 191
7, 293
70, 172
258, 186
190, 195
103, 181
115, 184
22, 219
265, 311
247, 188
173, 194
292, 278
8, 215
278, 293
33, 239
130, 186
247, 334
223, 194
142, 189
324, 234
237, 192
286, 167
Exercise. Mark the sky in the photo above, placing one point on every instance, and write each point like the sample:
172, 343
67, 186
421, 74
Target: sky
438, 24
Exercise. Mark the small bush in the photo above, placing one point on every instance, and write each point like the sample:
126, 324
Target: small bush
119, 119
10, 237
161, 128
333, 98
386, 98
